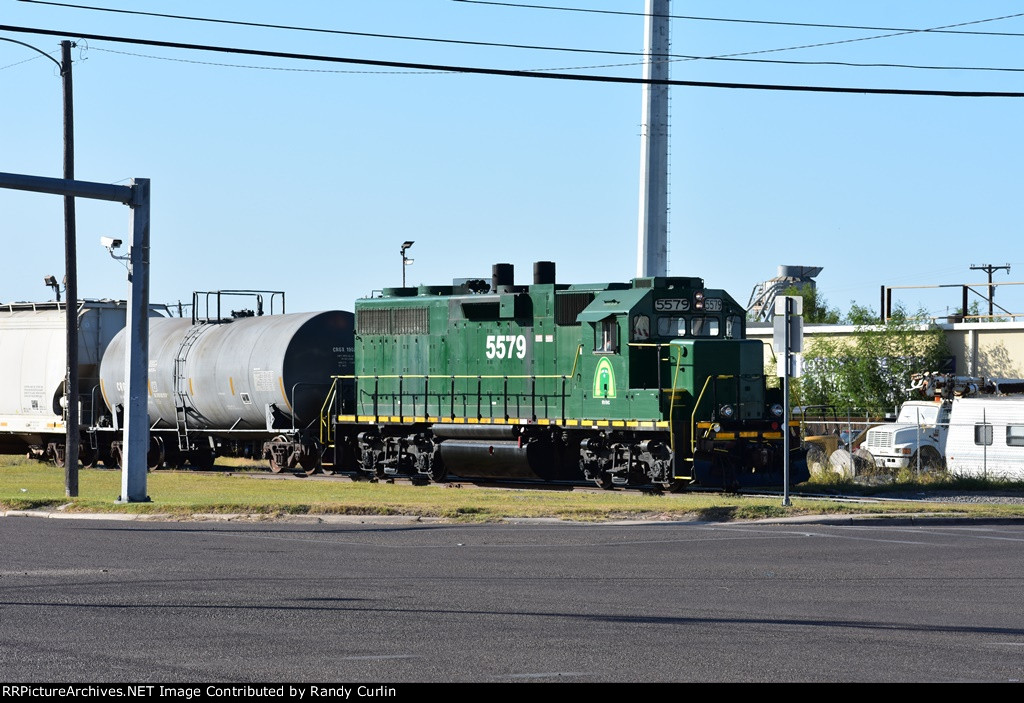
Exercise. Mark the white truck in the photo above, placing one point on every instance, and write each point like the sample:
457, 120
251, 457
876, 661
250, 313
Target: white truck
916, 439
920, 436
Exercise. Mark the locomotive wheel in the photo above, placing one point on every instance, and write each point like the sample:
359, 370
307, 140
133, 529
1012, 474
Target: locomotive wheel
276, 467
604, 481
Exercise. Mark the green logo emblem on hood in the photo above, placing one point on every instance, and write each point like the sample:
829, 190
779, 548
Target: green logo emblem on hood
604, 379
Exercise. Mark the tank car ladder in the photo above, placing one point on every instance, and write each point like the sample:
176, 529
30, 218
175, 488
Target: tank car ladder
182, 403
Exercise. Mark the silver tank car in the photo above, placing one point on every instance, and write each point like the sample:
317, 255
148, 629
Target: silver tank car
250, 373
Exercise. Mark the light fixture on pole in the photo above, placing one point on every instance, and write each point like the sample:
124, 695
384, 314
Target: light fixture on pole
405, 260
51, 281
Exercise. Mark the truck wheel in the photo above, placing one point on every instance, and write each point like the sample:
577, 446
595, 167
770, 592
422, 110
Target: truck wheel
931, 460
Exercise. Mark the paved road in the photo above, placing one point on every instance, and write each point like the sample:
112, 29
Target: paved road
87, 600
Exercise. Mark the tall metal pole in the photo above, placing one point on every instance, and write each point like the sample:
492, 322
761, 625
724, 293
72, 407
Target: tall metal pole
136, 360
652, 236
786, 356
71, 284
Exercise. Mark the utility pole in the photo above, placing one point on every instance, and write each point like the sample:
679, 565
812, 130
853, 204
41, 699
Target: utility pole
652, 237
989, 269
71, 284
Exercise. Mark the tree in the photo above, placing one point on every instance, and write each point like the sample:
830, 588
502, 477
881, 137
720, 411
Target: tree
871, 369
816, 309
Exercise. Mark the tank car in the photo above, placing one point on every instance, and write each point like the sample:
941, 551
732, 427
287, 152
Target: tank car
649, 382
33, 356
248, 380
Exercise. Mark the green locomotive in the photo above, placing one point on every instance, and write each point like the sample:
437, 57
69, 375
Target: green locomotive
624, 384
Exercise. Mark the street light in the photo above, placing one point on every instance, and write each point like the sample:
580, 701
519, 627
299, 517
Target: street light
405, 260
51, 281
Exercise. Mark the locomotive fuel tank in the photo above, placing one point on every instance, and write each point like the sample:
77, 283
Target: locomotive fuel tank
250, 373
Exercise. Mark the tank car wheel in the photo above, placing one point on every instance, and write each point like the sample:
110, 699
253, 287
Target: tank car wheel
155, 455
676, 486
202, 459
309, 464
275, 466
88, 456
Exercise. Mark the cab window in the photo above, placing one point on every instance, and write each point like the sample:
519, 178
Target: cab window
704, 327
671, 326
607, 336
734, 327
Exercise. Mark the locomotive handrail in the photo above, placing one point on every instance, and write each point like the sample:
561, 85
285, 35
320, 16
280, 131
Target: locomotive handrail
579, 351
693, 415
399, 397
672, 400
349, 377
326, 435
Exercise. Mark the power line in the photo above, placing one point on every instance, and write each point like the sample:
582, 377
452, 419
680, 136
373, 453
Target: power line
937, 30
506, 72
319, 30
505, 45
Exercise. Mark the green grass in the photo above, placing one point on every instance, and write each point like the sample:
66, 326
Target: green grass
30, 485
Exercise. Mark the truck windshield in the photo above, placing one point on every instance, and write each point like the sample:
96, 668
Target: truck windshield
925, 414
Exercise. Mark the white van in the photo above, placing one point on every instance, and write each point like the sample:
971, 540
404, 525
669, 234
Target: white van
986, 437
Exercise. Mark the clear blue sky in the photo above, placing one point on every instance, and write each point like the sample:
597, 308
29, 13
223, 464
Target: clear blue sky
309, 180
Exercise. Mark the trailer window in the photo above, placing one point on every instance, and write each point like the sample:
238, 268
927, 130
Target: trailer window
983, 434
1015, 435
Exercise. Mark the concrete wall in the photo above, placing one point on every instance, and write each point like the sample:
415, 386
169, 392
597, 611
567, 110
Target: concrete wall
993, 349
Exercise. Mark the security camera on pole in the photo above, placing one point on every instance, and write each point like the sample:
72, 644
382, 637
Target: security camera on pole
788, 342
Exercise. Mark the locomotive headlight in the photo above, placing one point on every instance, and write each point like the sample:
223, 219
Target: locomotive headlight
776, 410
727, 411
698, 300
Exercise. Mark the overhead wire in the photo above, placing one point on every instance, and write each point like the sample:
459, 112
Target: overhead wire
937, 30
736, 57
507, 72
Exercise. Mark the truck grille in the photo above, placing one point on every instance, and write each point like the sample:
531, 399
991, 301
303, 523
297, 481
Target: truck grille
879, 440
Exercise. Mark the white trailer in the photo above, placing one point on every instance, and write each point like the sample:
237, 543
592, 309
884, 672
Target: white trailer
986, 438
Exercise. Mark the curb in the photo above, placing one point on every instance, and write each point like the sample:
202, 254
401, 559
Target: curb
844, 520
